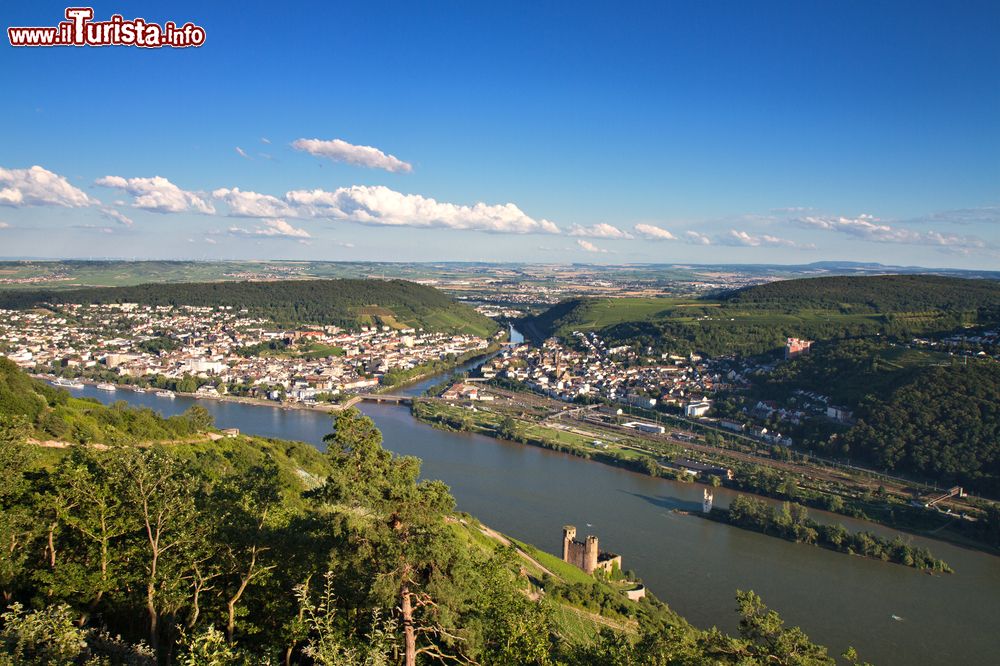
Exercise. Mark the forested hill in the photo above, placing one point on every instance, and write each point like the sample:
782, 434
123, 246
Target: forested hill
758, 319
346, 303
876, 293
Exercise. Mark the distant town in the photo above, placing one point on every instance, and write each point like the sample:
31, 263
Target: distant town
217, 351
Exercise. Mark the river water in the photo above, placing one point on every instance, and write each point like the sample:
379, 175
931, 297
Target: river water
695, 565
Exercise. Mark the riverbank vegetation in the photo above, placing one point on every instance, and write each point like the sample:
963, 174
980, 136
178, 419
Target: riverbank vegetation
398, 377
241, 550
791, 521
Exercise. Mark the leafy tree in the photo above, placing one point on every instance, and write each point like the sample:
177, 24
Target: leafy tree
396, 527
15, 511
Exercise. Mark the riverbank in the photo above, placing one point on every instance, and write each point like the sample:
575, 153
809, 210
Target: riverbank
621, 447
792, 523
428, 370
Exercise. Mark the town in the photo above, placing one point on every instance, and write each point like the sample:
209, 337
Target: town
215, 351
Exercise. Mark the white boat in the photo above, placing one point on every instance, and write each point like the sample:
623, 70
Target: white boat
107, 387
164, 394
68, 383
138, 389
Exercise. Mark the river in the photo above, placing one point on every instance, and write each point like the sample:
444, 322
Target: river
695, 565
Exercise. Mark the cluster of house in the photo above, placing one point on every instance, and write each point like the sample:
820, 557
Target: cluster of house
593, 369
971, 343
212, 343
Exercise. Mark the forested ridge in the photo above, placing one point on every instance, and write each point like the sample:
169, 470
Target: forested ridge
942, 424
875, 293
207, 551
345, 303
757, 320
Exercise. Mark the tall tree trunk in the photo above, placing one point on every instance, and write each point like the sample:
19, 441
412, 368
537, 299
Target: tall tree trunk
153, 617
409, 635
52, 545
231, 604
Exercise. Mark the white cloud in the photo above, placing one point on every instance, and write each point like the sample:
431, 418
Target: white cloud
696, 238
242, 153
158, 194
38, 186
870, 228
983, 215
264, 139
4, 225
745, 239
253, 204
341, 151
653, 232
587, 246
381, 206
94, 227
601, 230
116, 216
272, 229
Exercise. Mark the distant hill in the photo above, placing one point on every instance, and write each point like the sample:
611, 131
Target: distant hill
345, 303
757, 319
876, 293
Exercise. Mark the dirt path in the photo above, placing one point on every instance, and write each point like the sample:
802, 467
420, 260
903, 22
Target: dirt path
496, 536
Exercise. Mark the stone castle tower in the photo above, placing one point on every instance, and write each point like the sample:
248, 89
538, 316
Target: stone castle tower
582, 554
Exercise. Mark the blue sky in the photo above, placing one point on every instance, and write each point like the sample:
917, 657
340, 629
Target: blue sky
652, 132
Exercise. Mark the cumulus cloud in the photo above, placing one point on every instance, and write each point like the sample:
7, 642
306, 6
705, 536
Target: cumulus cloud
696, 238
158, 194
271, 229
587, 246
870, 228
4, 225
341, 151
38, 186
746, 239
378, 205
601, 230
653, 232
242, 153
253, 204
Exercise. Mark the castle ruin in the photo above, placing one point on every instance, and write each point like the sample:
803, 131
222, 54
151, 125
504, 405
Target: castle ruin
587, 555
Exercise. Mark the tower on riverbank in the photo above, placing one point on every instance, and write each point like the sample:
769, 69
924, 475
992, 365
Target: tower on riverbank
587, 555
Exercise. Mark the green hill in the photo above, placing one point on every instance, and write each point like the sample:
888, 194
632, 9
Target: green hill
875, 293
757, 319
345, 303
245, 550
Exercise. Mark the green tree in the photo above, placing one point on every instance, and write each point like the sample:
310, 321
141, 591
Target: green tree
15, 506
162, 494
395, 527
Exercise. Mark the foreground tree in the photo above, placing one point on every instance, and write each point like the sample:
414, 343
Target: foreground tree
393, 528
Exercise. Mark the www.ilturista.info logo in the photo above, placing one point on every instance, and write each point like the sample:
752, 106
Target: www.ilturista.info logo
79, 29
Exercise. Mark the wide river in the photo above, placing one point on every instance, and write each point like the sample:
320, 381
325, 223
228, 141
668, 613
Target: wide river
890, 613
